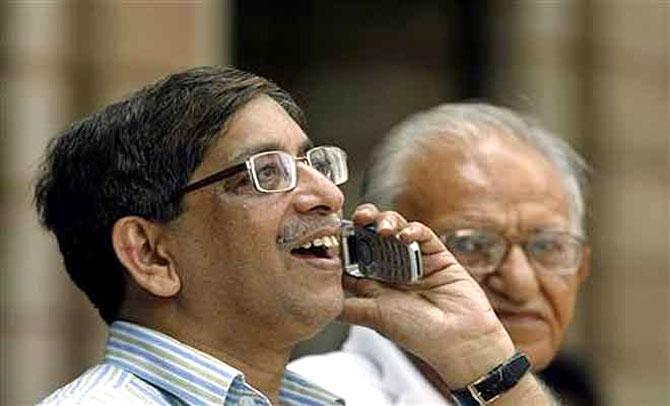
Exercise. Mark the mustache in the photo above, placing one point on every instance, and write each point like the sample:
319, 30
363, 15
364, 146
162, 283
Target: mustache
296, 229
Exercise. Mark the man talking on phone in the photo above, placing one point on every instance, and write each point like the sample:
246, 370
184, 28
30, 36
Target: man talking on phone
507, 198
202, 223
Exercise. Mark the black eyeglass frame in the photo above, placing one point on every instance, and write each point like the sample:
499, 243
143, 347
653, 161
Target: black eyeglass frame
524, 244
247, 165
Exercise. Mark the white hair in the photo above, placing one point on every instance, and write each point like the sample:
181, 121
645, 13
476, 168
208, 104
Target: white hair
385, 177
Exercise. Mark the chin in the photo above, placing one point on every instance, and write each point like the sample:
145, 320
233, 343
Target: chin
328, 308
314, 314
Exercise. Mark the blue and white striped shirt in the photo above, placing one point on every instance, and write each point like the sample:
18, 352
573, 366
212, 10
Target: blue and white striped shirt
144, 367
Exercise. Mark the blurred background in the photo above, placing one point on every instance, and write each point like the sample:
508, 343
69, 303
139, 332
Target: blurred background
594, 71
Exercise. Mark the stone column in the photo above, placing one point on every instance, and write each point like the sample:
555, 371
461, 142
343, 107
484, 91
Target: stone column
629, 308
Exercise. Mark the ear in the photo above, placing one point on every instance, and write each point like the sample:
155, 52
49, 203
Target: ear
585, 266
138, 246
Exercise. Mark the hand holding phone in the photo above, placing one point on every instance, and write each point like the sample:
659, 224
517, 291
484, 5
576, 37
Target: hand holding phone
444, 319
366, 254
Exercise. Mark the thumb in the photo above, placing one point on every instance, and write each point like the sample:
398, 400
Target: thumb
361, 287
361, 311
363, 307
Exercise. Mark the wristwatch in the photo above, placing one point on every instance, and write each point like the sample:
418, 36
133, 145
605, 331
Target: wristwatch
492, 385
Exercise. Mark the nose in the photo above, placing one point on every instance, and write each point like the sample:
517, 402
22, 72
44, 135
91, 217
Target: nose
315, 193
515, 278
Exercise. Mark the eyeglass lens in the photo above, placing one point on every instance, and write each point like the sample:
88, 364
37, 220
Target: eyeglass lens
555, 251
482, 252
331, 162
275, 171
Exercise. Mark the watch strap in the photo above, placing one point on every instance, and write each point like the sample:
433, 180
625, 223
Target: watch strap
499, 380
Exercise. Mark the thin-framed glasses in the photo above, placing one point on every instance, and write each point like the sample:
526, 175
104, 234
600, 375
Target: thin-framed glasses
481, 251
276, 171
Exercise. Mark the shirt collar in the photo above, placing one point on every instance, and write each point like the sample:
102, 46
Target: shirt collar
168, 364
296, 390
190, 374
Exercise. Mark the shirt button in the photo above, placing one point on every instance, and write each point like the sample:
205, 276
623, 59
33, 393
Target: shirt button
247, 401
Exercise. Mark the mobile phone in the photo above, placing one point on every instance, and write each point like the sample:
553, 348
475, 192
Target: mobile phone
366, 254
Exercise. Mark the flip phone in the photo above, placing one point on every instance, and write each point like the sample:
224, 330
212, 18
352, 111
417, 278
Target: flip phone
366, 254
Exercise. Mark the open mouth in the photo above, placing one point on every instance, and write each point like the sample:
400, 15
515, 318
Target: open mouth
323, 247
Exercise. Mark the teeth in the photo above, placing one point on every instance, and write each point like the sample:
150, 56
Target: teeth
327, 241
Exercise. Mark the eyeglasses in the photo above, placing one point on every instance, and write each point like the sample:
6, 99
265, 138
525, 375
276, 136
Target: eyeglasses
275, 171
481, 252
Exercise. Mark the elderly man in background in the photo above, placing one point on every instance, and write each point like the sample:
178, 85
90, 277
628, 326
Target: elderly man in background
507, 198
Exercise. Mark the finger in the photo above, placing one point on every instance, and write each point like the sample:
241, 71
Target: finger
437, 261
365, 214
440, 268
389, 223
429, 242
434, 255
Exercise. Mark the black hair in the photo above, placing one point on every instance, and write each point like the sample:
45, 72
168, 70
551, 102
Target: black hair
132, 158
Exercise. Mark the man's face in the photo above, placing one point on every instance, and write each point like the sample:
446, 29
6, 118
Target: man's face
234, 247
501, 185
